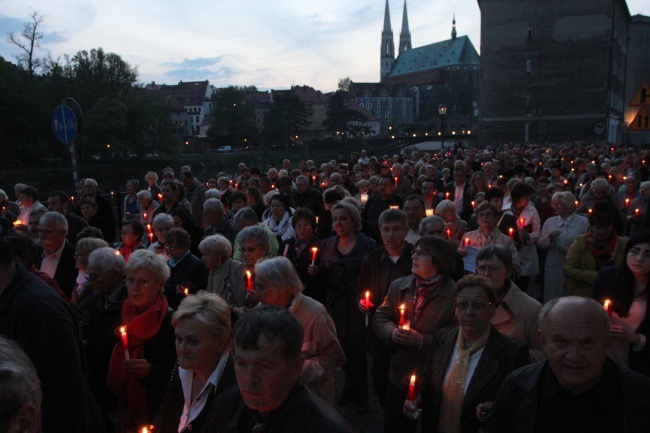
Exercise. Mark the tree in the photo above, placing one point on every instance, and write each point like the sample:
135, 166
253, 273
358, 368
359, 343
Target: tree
341, 118
27, 42
232, 116
287, 115
344, 84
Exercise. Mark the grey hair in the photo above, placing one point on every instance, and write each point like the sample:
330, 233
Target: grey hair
93, 182
600, 186
56, 218
256, 234
163, 218
644, 186
567, 199
145, 259
428, 220
216, 244
19, 384
88, 245
245, 215
3, 195
208, 308
213, 193
213, 205
144, 193
278, 273
444, 206
106, 259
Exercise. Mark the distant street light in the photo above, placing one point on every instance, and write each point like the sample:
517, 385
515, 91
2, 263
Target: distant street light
442, 110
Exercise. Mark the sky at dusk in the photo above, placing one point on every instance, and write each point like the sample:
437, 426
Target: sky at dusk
271, 44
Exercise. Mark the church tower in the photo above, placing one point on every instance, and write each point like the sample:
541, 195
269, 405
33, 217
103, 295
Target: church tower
405, 35
453, 27
387, 57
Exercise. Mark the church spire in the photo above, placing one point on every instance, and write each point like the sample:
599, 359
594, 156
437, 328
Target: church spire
387, 55
453, 27
405, 35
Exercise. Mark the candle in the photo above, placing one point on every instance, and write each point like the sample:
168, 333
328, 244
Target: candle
636, 212
272, 186
148, 429
316, 220
364, 198
406, 326
236, 185
150, 238
314, 251
313, 179
367, 304
447, 196
249, 280
402, 315
473, 204
449, 233
411, 396
608, 307
577, 203
522, 223
429, 212
123, 331
186, 291
72, 199
566, 181
149, 227
322, 184
591, 210
466, 243
511, 233
144, 216
396, 179
394, 207
490, 186
159, 197
627, 202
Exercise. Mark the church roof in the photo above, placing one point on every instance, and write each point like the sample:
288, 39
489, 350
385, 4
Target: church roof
452, 52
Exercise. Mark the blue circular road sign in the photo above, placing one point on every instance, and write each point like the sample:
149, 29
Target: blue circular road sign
64, 124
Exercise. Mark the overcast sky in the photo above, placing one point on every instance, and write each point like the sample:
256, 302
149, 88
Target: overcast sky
266, 43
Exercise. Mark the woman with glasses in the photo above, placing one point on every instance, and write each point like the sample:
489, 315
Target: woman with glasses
466, 363
139, 382
298, 249
425, 302
253, 245
84, 247
558, 233
600, 247
516, 312
131, 236
162, 223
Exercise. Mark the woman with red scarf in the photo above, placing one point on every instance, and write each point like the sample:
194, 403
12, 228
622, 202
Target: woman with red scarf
600, 247
138, 372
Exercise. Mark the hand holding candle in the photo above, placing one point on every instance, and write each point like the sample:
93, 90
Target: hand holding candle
403, 312
412, 392
608, 307
466, 243
314, 251
367, 304
122, 331
511, 233
249, 280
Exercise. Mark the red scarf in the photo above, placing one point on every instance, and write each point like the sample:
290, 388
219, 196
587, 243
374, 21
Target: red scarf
603, 255
131, 395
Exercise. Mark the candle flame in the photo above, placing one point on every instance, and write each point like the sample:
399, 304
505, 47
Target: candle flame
186, 291
402, 308
412, 380
123, 330
607, 303
248, 274
314, 249
367, 294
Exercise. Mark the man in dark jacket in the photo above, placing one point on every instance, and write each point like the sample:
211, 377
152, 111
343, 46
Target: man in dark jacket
59, 201
57, 255
270, 396
578, 388
188, 273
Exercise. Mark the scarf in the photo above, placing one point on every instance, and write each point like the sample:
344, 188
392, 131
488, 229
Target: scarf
423, 290
279, 228
131, 395
602, 256
453, 391
302, 245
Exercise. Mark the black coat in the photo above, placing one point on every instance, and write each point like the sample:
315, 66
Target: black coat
467, 198
315, 286
501, 355
66, 272
189, 270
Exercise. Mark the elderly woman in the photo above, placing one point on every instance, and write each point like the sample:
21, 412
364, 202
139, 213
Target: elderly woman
600, 247
341, 257
529, 226
148, 206
254, 245
162, 224
188, 273
516, 312
626, 287
298, 250
278, 284
226, 277
600, 193
278, 217
454, 226
205, 367
637, 217
131, 235
152, 184
467, 363
488, 233
83, 249
425, 302
139, 382
557, 235
28, 203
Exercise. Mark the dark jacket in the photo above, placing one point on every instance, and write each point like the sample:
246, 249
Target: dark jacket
501, 355
75, 225
515, 407
225, 228
310, 199
35, 317
315, 285
302, 411
375, 206
171, 409
608, 285
66, 272
189, 272
467, 198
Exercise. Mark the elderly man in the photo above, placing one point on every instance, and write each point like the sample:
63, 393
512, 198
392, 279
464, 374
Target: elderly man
307, 197
32, 222
21, 390
168, 190
578, 388
57, 258
59, 201
247, 217
270, 397
195, 192
104, 209
215, 221
403, 184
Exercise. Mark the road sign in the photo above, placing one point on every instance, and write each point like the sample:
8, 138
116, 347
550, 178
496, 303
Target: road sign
641, 122
599, 128
64, 124
641, 97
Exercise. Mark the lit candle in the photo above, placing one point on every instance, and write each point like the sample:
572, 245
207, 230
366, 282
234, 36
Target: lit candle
313, 179
17, 223
636, 212
314, 251
144, 216
316, 220
591, 210
236, 185
566, 181
322, 184
473, 204
394, 207
406, 326
608, 307
186, 291
249, 280
511, 233
368, 304
159, 197
447, 196
429, 212
466, 243
364, 198
627, 202
411, 396
522, 223
396, 179
402, 315
72, 200
449, 233
577, 203
490, 186
272, 186
148, 429
123, 331
150, 238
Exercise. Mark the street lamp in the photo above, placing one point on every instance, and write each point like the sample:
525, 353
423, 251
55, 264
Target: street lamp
442, 110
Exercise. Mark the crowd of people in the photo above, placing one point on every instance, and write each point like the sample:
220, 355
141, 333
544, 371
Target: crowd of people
495, 290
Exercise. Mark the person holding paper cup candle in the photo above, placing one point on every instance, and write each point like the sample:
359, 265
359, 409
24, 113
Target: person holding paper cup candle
626, 289
466, 363
428, 298
139, 382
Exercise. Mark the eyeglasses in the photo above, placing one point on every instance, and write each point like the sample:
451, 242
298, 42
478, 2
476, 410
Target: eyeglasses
491, 270
247, 250
303, 226
476, 305
485, 214
420, 254
162, 229
137, 282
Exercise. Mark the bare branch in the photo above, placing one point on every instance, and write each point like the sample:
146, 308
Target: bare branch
27, 42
